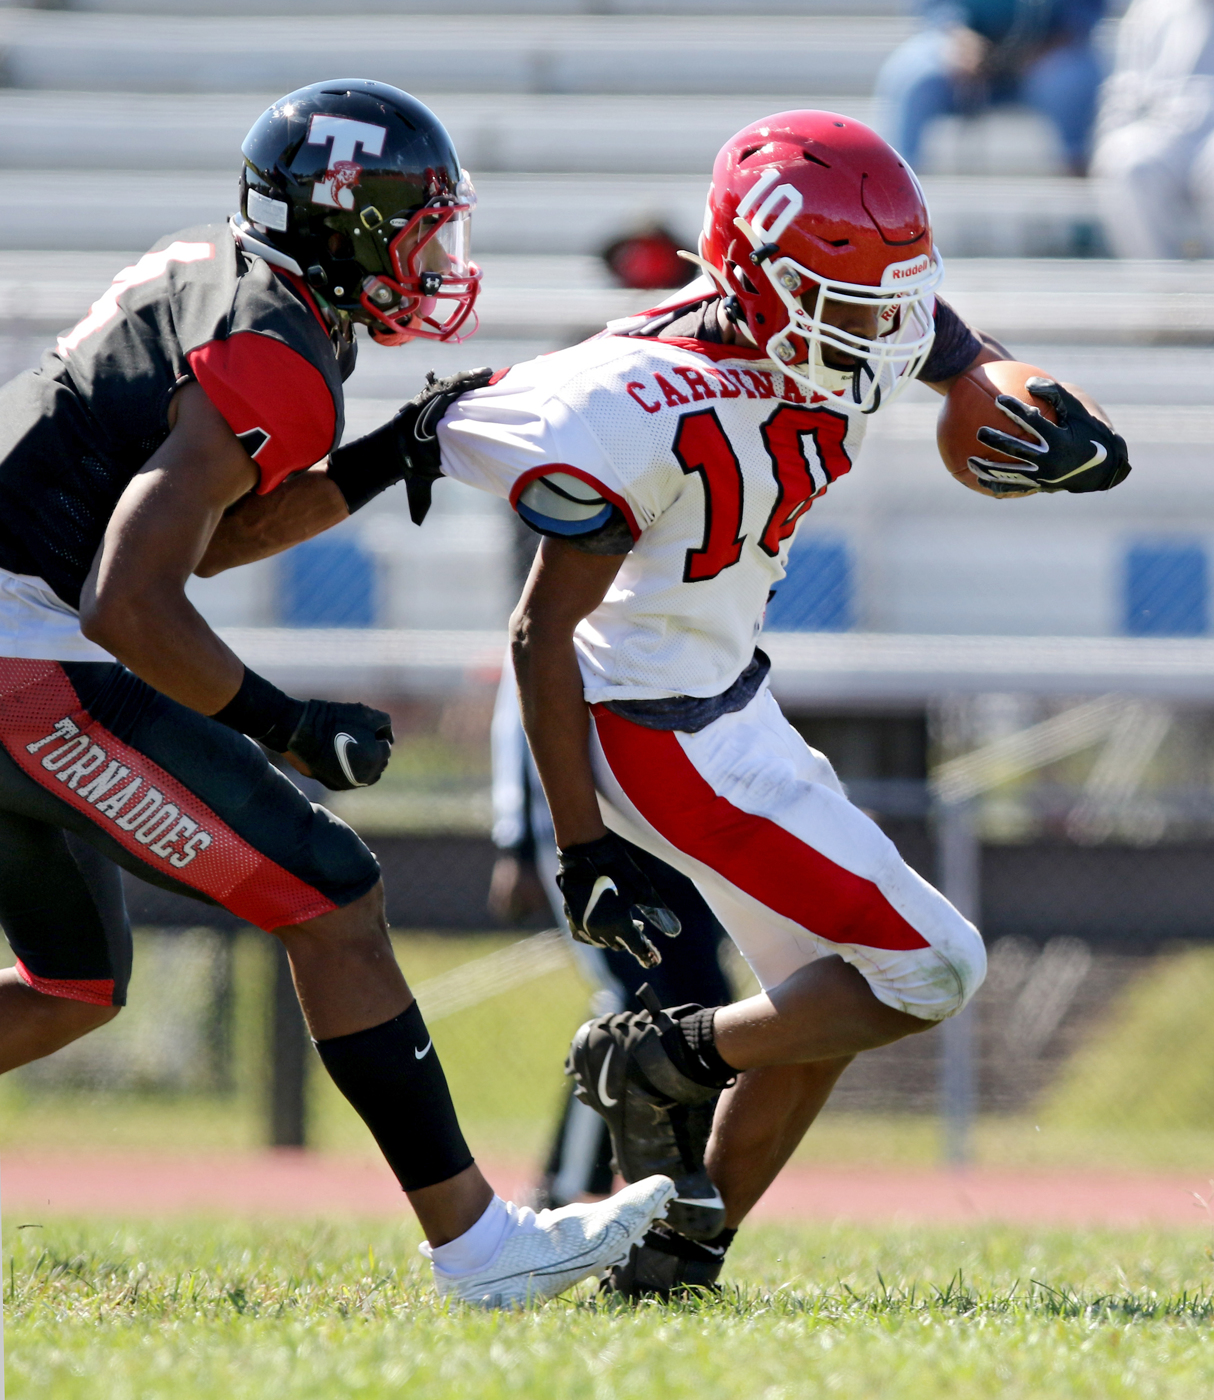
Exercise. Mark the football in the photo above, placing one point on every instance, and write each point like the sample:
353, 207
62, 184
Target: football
970, 404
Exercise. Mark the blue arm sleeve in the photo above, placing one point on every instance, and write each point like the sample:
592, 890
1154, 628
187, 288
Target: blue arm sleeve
953, 349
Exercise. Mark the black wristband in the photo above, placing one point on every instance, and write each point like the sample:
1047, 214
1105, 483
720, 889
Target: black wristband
363, 468
263, 712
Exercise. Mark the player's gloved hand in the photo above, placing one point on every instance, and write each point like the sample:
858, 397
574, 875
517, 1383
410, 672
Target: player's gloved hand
405, 449
1078, 453
345, 746
610, 902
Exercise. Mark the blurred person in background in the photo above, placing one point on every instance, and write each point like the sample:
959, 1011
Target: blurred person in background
189, 424
647, 259
977, 54
1154, 151
578, 1164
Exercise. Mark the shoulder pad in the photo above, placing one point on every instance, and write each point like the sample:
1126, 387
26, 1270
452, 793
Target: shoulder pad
568, 508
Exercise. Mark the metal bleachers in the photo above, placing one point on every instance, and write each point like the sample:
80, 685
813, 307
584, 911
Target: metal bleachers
571, 53
564, 112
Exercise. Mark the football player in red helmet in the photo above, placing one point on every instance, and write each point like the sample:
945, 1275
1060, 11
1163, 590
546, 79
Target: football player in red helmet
668, 462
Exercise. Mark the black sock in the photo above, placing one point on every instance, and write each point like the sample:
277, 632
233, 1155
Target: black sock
691, 1044
392, 1078
690, 1039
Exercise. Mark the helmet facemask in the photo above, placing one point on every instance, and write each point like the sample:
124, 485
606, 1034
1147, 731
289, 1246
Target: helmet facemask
434, 284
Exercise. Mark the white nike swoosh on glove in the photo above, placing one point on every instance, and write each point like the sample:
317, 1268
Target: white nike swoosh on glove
601, 886
1093, 461
604, 1096
341, 742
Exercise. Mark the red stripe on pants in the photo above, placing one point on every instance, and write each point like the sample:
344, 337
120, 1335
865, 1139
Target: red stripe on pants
753, 853
36, 694
97, 991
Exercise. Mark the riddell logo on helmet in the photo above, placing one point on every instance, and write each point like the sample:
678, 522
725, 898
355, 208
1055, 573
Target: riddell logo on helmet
905, 271
343, 173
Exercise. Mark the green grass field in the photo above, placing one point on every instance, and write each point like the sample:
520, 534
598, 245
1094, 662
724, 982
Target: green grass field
105, 1311
191, 1308
1139, 1094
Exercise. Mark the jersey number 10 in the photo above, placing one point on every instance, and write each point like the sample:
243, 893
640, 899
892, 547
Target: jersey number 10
702, 448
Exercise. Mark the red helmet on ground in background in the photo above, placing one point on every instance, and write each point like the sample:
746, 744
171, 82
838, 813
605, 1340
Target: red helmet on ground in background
811, 208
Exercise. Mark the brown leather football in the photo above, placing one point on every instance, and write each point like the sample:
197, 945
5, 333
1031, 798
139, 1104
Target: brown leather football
970, 404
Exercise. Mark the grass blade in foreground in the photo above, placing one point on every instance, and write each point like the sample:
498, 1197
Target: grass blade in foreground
228, 1311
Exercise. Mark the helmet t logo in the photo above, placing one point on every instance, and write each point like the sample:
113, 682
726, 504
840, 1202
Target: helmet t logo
345, 136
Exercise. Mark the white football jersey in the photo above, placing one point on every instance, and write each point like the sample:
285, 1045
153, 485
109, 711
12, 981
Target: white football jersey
712, 455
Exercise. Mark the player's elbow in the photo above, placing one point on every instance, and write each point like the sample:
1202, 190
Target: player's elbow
112, 616
535, 637
521, 634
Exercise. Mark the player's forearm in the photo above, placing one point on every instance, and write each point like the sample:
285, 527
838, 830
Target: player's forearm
167, 643
260, 526
557, 722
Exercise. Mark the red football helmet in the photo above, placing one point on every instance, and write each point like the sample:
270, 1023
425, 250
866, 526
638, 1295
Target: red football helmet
820, 231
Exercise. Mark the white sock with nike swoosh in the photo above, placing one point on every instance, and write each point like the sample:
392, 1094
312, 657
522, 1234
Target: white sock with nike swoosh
475, 1247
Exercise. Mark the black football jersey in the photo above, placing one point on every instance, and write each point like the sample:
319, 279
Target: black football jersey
75, 431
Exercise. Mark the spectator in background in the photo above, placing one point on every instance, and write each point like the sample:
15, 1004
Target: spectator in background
976, 54
1155, 136
648, 259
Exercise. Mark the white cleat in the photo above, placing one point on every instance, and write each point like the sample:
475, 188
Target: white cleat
544, 1254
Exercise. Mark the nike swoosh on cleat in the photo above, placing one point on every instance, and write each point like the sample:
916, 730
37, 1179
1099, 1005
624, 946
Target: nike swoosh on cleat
341, 742
708, 1201
604, 1097
421, 1054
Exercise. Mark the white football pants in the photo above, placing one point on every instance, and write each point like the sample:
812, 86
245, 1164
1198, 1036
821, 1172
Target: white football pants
791, 868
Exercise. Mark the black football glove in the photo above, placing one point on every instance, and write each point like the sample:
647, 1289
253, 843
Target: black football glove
1078, 453
345, 746
404, 449
609, 901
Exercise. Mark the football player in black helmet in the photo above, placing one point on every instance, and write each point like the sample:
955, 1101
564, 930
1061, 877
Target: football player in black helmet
354, 186
188, 423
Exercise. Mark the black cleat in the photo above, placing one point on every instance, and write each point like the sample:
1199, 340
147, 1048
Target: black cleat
665, 1265
659, 1119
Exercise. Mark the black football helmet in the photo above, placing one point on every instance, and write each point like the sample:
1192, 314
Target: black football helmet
355, 186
